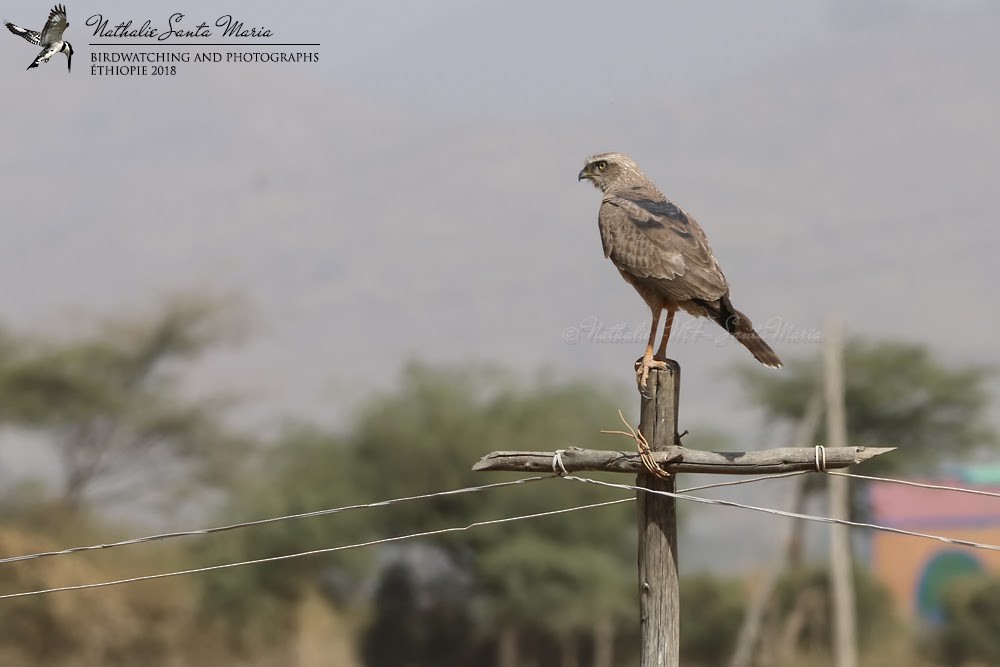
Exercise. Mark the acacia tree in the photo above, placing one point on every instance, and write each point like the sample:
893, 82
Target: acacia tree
896, 393
107, 403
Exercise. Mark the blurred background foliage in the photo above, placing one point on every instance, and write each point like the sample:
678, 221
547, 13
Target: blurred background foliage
109, 407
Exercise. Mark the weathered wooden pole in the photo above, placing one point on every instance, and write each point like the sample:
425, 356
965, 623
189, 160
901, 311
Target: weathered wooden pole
659, 587
659, 599
679, 459
767, 583
845, 643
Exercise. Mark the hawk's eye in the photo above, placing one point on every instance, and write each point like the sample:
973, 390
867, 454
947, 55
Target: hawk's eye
602, 165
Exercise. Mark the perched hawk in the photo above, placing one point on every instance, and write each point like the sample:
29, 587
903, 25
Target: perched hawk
663, 253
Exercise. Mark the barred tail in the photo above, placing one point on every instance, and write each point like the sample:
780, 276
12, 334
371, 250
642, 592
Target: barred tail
741, 328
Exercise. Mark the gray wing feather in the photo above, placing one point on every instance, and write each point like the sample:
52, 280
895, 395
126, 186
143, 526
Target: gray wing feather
56, 25
654, 240
29, 35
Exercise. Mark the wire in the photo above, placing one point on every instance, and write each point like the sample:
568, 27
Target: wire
922, 485
682, 495
324, 512
261, 522
748, 480
793, 515
314, 552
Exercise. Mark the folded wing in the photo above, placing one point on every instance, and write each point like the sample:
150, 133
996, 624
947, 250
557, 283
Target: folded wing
654, 240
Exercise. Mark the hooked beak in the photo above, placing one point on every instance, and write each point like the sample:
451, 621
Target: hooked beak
583, 175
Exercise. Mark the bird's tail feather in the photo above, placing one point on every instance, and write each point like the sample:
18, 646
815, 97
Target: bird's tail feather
741, 328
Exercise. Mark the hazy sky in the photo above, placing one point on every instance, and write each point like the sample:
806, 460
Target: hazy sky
805, 136
521, 58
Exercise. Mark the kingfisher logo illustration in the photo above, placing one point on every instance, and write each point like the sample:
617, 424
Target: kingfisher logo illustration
50, 38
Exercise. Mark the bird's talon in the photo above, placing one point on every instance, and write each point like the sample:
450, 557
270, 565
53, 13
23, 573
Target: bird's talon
642, 368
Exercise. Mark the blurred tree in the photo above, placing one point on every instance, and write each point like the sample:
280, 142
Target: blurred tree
397, 615
427, 629
303, 470
569, 579
970, 631
124, 625
108, 404
896, 394
535, 583
799, 620
713, 609
538, 574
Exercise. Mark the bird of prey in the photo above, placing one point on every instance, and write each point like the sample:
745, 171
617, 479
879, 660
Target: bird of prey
663, 253
50, 38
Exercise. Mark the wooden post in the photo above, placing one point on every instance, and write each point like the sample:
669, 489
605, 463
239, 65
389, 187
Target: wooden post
845, 646
659, 586
680, 459
760, 599
659, 600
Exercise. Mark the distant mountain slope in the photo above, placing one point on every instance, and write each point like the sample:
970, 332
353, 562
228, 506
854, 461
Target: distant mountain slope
857, 175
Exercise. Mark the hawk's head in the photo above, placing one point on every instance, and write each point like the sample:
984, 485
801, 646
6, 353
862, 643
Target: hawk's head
612, 171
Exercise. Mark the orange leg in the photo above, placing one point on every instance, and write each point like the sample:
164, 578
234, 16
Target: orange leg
643, 365
652, 333
661, 354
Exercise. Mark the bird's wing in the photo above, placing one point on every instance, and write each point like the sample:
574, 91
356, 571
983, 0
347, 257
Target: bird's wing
652, 238
44, 55
30, 35
55, 26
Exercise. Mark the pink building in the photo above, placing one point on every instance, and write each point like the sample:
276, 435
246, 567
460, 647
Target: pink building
918, 570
